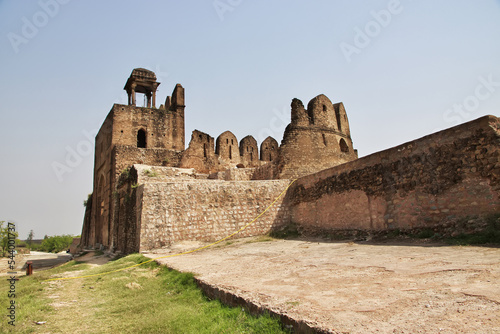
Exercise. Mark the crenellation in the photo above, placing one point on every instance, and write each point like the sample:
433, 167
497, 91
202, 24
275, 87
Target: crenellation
269, 149
178, 98
341, 119
249, 153
200, 153
321, 113
300, 117
227, 150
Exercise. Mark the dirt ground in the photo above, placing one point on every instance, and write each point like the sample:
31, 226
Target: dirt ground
357, 288
40, 260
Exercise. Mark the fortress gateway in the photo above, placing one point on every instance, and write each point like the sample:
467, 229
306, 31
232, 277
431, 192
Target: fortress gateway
150, 191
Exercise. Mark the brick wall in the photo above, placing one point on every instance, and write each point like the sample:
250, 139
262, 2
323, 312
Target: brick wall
423, 183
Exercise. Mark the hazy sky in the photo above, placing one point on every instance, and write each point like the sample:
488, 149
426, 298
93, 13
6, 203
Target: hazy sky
403, 69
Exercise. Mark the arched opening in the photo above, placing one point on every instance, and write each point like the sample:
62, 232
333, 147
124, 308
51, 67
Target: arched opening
343, 146
324, 139
230, 153
141, 138
204, 150
240, 166
324, 107
337, 116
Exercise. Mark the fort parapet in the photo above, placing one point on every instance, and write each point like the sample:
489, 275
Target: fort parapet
432, 182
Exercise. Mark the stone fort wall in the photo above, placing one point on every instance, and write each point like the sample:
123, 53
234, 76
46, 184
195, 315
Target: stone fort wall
214, 187
208, 210
427, 182
318, 137
159, 206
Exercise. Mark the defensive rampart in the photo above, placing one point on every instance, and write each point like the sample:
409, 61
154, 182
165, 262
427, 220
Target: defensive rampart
427, 182
157, 209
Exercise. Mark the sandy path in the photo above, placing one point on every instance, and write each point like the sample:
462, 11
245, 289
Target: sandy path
359, 288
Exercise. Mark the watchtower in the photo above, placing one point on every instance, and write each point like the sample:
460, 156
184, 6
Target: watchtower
132, 135
142, 81
317, 138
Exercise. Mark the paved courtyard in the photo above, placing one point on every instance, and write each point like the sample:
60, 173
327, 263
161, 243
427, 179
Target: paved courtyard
357, 288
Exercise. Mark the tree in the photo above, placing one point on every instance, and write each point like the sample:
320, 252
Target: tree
56, 243
29, 239
4, 236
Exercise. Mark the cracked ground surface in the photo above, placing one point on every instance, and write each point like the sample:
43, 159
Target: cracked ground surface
357, 288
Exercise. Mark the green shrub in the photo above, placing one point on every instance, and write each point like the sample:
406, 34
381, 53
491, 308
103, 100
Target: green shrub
126, 173
86, 202
56, 243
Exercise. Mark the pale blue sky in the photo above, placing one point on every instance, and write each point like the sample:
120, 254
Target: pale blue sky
402, 68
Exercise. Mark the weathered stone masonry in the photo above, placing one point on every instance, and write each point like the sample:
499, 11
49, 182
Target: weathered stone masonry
208, 210
317, 138
423, 183
160, 205
149, 191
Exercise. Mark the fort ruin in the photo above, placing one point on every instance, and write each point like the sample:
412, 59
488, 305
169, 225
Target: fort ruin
150, 191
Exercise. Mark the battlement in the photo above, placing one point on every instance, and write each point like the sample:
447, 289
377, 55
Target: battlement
316, 138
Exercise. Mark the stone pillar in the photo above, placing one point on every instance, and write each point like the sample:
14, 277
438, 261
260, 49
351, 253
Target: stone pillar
148, 96
154, 99
133, 94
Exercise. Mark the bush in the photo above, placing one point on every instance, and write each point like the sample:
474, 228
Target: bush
56, 243
87, 201
36, 247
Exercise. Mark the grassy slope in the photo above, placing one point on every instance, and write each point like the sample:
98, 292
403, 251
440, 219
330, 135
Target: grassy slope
146, 299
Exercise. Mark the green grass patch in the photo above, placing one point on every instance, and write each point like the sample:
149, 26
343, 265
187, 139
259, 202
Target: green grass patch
146, 299
31, 300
